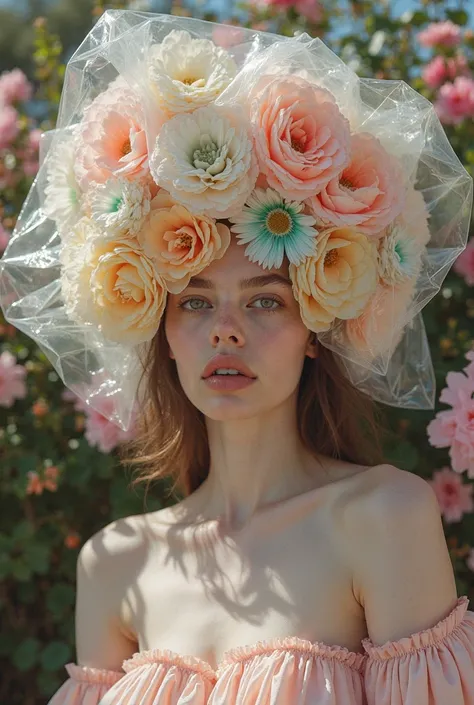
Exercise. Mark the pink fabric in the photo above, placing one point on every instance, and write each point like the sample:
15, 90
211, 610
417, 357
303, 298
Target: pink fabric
431, 667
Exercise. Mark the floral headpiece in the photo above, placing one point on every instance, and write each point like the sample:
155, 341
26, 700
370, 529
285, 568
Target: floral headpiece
169, 126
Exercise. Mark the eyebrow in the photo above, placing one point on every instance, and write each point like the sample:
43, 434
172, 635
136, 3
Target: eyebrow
252, 282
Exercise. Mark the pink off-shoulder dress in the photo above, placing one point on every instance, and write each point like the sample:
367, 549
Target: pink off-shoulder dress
431, 667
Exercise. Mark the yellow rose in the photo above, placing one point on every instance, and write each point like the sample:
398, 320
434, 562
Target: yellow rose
338, 280
182, 244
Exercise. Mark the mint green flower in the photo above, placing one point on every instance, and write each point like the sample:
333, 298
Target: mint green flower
274, 227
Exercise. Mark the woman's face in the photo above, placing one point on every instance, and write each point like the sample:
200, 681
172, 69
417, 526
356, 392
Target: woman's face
260, 324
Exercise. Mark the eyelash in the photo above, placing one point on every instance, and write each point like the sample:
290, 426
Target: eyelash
197, 310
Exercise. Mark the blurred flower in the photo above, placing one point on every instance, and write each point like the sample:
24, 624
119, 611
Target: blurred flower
464, 264
102, 433
12, 380
228, 35
454, 428
440, 68
310, 9
51, 475
34, 486
470, 560
40, 408
34, 138
4, 237
14, 86
9, 125
455, 100
72, 541
454, 497
445, 34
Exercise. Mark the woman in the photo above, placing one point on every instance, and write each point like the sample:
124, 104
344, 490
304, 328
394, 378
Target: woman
299, 567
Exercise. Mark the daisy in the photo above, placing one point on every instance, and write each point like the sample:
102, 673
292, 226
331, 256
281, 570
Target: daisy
120, 205
399, 256
274, 227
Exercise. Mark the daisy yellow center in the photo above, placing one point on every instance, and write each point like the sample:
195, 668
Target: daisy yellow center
345, 183
279, 222
331, 258
126, 148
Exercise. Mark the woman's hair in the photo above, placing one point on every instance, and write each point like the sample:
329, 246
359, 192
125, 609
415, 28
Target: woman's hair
334, 419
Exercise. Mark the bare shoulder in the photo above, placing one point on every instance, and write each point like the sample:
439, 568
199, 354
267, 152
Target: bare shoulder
108, 546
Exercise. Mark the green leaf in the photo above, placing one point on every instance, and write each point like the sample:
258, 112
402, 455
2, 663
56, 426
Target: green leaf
60, 598
403, 455
459, 17
23, 531
25, 656
37, 557
55, 655
20, 570
416, 19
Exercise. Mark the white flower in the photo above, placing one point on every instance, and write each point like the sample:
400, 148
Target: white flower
187, 73
206, 161
274, 227
62, 192
120, 205
398, 257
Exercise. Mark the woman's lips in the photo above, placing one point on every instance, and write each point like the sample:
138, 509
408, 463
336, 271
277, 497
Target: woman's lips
227, 383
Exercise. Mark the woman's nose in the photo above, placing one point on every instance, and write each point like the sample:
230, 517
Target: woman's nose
226, 329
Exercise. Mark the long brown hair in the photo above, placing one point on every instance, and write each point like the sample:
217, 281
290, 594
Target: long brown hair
334, 419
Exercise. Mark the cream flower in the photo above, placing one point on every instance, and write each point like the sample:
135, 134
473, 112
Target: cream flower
188, 73
403, 243
120, 205
62, 192
181, 244
379, 328
113, 285
338, 281
206, 161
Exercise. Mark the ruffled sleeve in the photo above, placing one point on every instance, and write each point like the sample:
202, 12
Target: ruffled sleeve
85, 685
431, 667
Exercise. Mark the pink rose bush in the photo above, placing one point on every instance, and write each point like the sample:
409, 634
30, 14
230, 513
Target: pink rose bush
441, 69
14, 87
455, 101
143, 200
446, 34
454, 428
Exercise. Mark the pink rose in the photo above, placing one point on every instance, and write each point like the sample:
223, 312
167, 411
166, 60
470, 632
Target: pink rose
14, 87
454, 497
312, 10
302, 139
9, 126
455, 101
102, 433
464, 264
445, 34
12, 380
112, 139
4, 238
439, 69
369, 193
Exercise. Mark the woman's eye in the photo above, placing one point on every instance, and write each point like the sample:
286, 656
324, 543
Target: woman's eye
191, 301
269, 300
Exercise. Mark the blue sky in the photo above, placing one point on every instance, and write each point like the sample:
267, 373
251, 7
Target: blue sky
399, 6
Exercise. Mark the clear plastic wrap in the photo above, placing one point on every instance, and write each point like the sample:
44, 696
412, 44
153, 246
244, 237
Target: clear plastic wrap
126, 57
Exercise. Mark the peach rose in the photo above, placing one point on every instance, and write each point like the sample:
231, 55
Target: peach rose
338, 281
129, 295
368, 194
182, 244
302, 139
379, 328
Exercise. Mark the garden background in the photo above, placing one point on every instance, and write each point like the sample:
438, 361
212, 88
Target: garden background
60, 480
